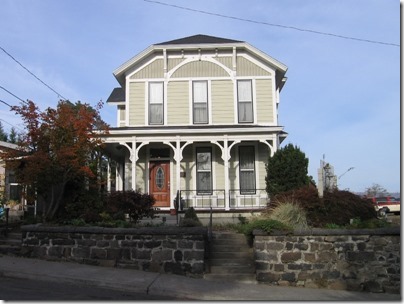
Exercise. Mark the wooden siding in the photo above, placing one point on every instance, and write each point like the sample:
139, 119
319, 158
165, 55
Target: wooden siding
200, 69
248, 68
141, 170
187, 166
155, 69
222, 102
263, 154
173, 62
265, 104
218, 168
178, 102
226, 61
137, 103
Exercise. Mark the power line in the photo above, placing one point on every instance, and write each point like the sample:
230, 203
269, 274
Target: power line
11, 124
50, 88
3, 88
272, 24
5, 103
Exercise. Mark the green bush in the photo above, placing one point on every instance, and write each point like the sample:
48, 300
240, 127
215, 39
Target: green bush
267, 225
190, 219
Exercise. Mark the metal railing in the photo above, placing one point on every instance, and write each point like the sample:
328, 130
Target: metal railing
216, 199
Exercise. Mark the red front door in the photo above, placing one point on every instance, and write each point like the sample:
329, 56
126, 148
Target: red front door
160, 182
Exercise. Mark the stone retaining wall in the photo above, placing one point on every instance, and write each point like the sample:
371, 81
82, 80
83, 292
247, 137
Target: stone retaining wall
158, 249
358, 260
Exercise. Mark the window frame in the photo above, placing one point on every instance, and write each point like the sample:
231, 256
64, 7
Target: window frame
198, 171
240, 102
150, 103
241, 170
198, 102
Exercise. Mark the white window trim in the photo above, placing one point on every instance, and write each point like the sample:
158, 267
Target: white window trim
195, 172
147, 104
256, 163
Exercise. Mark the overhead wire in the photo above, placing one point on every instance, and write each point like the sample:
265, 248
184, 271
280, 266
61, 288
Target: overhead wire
48, 86
272, 24
12, 94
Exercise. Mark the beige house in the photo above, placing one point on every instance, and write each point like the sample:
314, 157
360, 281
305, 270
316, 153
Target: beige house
196, 116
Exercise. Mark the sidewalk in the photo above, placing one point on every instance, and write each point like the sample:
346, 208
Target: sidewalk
171, 285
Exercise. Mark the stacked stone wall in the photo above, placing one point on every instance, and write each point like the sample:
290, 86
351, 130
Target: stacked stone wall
358, 260
160, 249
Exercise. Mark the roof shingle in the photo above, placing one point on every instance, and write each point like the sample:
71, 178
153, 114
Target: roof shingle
199, 39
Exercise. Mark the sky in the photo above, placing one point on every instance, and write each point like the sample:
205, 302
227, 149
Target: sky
341, 102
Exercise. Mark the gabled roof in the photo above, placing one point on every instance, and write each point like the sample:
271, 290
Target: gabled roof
195, 42
117, 96
199, 39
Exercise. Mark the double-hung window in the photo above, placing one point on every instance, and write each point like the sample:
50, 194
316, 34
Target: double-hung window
245, 101
200, 101
156, 103
247, 169
204, 170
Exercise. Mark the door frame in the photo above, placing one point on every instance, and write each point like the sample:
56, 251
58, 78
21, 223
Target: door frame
165, 161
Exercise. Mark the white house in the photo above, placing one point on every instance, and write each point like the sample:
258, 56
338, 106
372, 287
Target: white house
196, 116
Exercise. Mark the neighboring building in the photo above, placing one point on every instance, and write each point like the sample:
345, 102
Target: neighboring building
9, 189
327, 180
197, 115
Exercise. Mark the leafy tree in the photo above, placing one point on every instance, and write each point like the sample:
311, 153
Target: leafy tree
375, 191
286, 170
55, 151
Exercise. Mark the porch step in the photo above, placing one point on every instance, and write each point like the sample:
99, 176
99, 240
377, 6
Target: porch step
11, 244
230, 258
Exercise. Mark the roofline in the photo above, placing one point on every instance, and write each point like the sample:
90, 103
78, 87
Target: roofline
8, 145
119, 72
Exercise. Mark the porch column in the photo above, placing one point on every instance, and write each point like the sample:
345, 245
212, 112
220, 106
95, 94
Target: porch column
109, 175
178, 158
133, 159
226, 175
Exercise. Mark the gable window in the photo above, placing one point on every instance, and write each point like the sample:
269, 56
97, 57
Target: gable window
203, 170
247, 169
156, 103
200, 101
245, 101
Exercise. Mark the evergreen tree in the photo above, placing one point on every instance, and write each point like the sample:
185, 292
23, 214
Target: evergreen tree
286, 170
13, 137
3, 134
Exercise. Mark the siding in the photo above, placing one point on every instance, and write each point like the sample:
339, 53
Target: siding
218, 168
222, 102
155, 69
247, 68
178, 102
173, 62
187, 166
263, 154
265, 101
226, 61
200, 69
141, 169
137, 103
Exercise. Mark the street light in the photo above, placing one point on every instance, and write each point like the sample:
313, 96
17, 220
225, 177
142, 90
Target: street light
346, 172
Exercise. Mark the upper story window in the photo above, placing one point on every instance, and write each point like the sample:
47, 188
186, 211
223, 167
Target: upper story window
200, 101
156, 103
245, 101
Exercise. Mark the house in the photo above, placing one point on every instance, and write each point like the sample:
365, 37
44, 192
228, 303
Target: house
9, 189
196, 116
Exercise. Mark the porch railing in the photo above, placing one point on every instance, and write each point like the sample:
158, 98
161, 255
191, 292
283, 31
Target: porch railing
216, 199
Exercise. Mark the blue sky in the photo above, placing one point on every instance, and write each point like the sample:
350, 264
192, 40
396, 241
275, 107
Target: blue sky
341, 99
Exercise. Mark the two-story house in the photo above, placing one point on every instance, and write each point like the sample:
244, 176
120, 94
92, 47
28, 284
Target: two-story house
198, 115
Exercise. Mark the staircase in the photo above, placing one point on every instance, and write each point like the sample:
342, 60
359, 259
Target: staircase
10, 244
230, 258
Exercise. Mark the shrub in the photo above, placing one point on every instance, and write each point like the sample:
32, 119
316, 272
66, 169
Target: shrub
289, 213
134, 203
267, 225
336, 207
190, 219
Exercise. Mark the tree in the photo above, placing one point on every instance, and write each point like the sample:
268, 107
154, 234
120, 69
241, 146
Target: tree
376, 191
55, 150
286, 170
13, 136
3, 134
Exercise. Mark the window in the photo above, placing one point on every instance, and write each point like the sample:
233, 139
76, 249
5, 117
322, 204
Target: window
204, 171
156, 102
200, 101
245, 101
247, 170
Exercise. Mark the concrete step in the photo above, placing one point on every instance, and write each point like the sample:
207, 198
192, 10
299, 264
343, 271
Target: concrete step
231, 258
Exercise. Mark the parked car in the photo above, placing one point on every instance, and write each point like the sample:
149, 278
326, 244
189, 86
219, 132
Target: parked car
387, 204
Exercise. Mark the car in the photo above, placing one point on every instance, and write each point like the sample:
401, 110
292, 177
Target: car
388, 204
